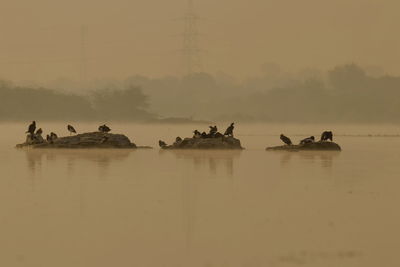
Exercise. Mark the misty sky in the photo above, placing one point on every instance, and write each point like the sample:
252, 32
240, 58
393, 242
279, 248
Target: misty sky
40, 40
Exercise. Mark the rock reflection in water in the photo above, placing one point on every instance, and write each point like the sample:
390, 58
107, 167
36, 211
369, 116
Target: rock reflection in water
73, 160
213, 160
70, 158
324, 158
103, 157
204, 161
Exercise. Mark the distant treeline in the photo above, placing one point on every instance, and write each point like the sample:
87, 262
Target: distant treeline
346, 93
22, 103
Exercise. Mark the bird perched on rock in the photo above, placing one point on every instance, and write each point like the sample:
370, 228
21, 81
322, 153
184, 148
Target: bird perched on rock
104, 128
32, 128
286, 140
213, 131
327, 135
218, 135
53, 136
229, 130
197, 134
39, 131
50, 138
178, 141
307, 140
71, 129
162, 143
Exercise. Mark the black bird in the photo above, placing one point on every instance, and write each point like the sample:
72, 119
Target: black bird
327, 135
213, 131
39, 131
71, 129
178, 141
53, 136
307, 140
286, 140
162, 143
229, 130
197, 134
32, 128
218, 135
104, 129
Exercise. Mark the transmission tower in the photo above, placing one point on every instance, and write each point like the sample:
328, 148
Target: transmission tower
190, 48
83, 61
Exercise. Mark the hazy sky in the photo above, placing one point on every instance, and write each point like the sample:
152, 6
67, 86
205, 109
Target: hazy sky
40, 40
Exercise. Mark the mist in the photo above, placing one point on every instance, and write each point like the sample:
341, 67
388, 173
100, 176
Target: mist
346, 93
199, 133
263, 61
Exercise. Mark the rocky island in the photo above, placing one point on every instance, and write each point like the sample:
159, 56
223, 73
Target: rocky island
330, 146
211, 140
84, 140
325, 143
205, 143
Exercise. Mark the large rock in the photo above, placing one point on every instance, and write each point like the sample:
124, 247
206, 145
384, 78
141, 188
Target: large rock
311, 146
85, 140
207, 143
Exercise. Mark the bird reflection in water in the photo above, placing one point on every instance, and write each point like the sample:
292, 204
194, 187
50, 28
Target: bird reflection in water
324, 158
73, 160
103, 158
213, 160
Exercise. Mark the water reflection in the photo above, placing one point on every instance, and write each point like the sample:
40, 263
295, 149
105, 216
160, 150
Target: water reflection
102, 157
204, 162
212, 160
74, 161
324, 158
70, 159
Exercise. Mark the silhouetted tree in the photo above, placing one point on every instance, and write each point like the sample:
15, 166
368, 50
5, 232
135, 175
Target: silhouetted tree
124, 104
21, 103
348, 77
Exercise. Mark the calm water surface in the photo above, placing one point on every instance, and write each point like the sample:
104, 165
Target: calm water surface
102, 208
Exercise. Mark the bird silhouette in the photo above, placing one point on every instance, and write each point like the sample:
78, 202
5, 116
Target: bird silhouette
32, 128
286, 140
71, 129
229, 130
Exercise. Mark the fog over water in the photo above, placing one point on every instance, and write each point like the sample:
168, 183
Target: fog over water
41, 40
201, 208
268, 61
155, 70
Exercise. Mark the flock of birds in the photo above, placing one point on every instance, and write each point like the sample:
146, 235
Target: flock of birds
213, 133
52, 136
325, 136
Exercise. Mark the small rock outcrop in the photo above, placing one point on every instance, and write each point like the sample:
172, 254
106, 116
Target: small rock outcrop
223, 142
85, 140
330, 146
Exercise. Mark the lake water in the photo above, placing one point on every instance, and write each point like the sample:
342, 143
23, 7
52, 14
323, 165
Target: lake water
251, 208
